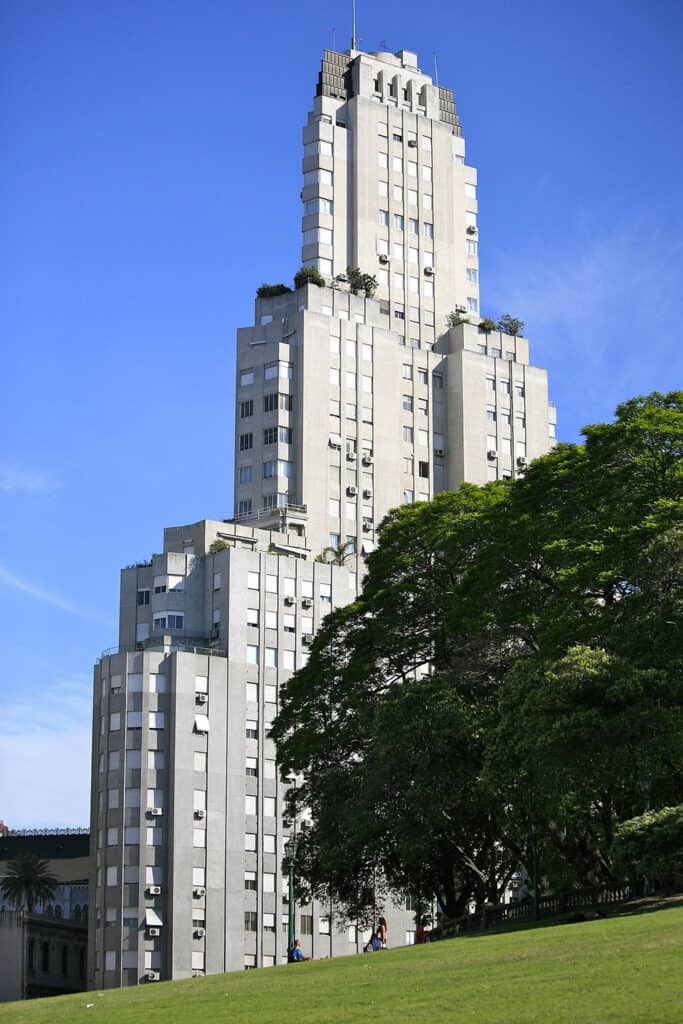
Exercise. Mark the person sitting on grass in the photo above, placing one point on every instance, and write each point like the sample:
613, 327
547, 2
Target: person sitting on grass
296, 954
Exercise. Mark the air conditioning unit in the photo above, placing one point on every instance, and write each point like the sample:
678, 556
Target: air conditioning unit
307, 639
351, 456
200, 813
412, 143
201, 698
290, 600
438, 451
152, 975
471, 229
367, 525
306, 602
199, 892
521, 460
153, 932
367, 493
156, 812
383, 258
199, 933
461, 309
154, 890
367, 460
429, 271
352, 490
492, 453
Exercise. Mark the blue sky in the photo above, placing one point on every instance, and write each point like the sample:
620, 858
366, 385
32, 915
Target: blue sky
151, 183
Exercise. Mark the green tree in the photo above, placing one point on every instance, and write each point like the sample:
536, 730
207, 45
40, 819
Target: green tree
510, 325
28, 880
542, 618
308, 275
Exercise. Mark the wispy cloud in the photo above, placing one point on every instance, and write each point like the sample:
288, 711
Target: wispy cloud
602, 311
56, 600
46, 745
14, 480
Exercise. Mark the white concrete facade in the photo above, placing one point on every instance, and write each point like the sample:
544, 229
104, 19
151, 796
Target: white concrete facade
346, 407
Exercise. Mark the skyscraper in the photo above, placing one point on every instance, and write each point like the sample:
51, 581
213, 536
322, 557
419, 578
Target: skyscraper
347, 405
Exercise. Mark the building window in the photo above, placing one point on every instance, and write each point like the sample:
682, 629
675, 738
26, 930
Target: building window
471, 247
384, 218
422, 376
143, 597
399, 311
423, 469
398, 217
252, 654
408, 435
246, 442
407, 403
306, 924
428, 230
246, 378
270, 435
279, 368
251, 767
472, 304
250, 918
250, 880
244, 507
285, 435
491, 415
250, 808
408, 496
246, 409
251, 729
472, 275
423, 406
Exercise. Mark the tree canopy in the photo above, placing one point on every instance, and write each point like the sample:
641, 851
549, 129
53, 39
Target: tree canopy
509, 676
28, 880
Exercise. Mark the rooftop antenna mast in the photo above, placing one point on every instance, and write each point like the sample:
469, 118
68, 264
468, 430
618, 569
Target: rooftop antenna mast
436, 70
354, 37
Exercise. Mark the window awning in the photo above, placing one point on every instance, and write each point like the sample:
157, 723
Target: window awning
152, 919
291, 549
201, 723
367, 546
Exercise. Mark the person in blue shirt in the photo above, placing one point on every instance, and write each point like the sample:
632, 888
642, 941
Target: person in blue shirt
296, 955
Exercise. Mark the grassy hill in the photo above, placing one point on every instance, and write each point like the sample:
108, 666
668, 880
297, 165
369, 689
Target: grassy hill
625, 969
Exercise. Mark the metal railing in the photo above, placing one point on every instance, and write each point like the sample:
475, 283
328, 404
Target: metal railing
268, 513
184, 646
548, 906
46, 832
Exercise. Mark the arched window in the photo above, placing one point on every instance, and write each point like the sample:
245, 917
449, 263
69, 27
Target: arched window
45, 957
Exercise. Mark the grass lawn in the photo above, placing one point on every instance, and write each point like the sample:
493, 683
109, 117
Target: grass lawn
625, 969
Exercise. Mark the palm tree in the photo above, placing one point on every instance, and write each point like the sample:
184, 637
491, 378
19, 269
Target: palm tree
337, 555
28, 880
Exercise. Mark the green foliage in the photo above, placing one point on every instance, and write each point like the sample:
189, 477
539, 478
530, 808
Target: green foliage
28, 880
651, 846
509, 325
216, 546
267, 291
487, 325
308, 275
455, 318
360, 282
510, 674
